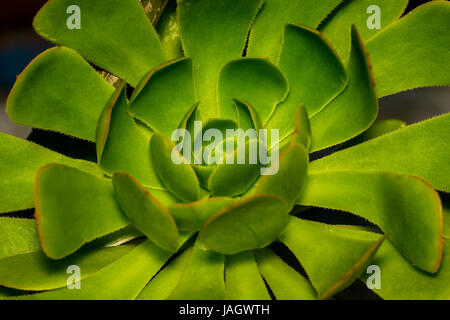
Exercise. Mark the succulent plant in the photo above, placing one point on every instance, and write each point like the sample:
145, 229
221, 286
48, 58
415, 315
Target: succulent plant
141, 226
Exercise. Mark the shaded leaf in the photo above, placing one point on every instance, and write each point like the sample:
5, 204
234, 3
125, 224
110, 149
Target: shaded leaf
234, 176
406, 150
154, 102
377, 129
123, 279
337, 27
224, 26
354, 110
34, 271
405, 207
104, 34
180, 179
66, 198
243, 281
40, 95
163, 284
203, 278
192, 216
168, 29
402, 281
302, 132
121, 145
267, 32
287, 183
145, 212
255, 80
250, 223
18, 164
18, 236
284, 282
401, 58
347, 253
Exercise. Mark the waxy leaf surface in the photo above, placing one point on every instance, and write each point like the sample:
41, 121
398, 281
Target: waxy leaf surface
250, 223
347, 253
59, 91
145, 212
406, 150
73, 208
115, 35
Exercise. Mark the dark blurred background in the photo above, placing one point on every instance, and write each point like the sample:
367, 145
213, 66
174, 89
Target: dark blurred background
19, 45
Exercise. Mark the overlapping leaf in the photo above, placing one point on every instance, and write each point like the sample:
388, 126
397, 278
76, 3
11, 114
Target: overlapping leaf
413, 52
284, 282
145, 212
267, 32
243, 280
251, 223
224, 26
40, 95
354, 110
361, 13
72, 208
420, 149
347, 253
115, 35
121, 146
153, 101
403, 206
18, 164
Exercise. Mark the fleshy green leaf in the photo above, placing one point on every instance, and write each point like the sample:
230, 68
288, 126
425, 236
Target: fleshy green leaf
267, 32
250, 223
224, 26
104, 34
405, 207
18, 164
347, 253
121, 145
287, 182
66, 199
302, 132
256, 81
377, 129
180, 179
34, 271
203, 278
154, 102
145, 212
243, 281
284, 282
233, 178
123, 279
403, 59
316, 75
247, 116
192, 216
354, 110
40, 95
413, 150
18, 236
163, 284
337, 27
402, 281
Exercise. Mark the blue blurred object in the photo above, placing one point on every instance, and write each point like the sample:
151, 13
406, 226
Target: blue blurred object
16, 54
